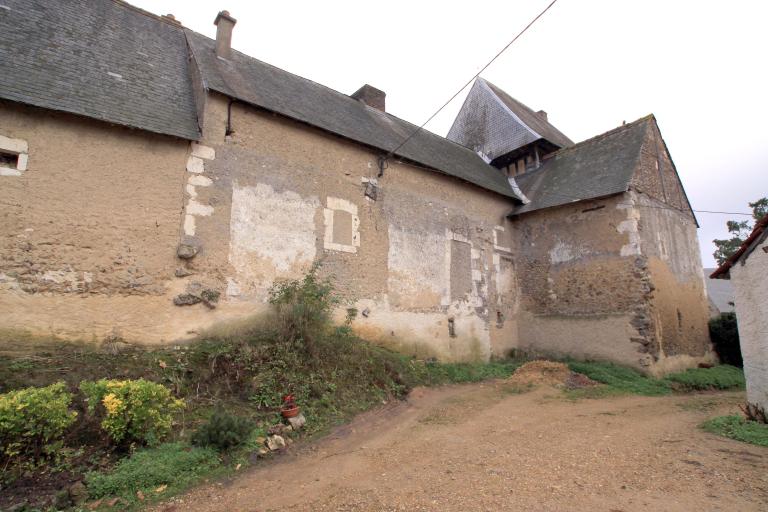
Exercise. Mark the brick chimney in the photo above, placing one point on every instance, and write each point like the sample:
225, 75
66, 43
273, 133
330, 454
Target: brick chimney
224, 25
371, 96
542, 114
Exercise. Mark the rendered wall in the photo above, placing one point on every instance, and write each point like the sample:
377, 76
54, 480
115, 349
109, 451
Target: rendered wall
679, 309
750, 282
617, 279
88, 232
580, 283
277, 196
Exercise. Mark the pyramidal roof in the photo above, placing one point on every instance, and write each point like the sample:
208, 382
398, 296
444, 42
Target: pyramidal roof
493, 123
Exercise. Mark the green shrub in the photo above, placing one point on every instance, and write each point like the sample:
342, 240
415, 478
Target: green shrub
33, 420
724, 333
222, 431
172, 464
736, 427
720, 377
303, 309
132, 410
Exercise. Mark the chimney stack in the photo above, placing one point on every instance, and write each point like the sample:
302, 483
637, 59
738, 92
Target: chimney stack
542, 114
371, 96
224, 25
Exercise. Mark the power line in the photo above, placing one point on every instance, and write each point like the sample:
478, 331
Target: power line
383, 159
725, 213
635, 205
577, 198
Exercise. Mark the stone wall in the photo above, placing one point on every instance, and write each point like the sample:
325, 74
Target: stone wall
618, 278
750, 284
582, 282
88, 230
415, 253
679, 309
94, 214
656, 175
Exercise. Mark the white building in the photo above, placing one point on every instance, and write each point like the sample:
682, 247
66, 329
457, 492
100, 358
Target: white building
748, 270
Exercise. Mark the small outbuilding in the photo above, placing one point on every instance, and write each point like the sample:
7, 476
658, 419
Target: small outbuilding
747, 268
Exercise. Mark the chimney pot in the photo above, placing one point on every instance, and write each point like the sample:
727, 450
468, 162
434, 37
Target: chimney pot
171, 19
224, 25
542, 114
371, 96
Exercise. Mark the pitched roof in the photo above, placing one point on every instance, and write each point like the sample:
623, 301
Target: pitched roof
598, 167
535, 121
102, 59
720, 292
494, 124
260, 84
759, 233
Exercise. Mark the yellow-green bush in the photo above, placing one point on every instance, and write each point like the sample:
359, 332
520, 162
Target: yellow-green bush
33, 420
132, 410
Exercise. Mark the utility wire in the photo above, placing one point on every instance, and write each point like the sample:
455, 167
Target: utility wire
635, 205
382, 160
577, 198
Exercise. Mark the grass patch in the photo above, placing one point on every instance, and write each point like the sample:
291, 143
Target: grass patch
154, 472
736, 427
618, 380
431, 374
699, 379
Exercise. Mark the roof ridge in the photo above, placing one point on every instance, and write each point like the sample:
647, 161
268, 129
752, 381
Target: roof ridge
603, 135
346, 97
157, 17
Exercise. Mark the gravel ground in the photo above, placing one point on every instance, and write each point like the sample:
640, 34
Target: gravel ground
483, 448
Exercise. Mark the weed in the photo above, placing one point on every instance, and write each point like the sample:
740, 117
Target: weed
223, 431
736, 427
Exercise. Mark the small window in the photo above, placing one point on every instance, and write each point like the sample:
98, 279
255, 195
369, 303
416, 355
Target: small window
9, 159
13, 156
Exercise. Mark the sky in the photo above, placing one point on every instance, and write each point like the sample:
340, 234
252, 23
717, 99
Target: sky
699, 66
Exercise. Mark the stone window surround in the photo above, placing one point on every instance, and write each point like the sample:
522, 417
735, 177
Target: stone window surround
337, 204
196, 167
16, 147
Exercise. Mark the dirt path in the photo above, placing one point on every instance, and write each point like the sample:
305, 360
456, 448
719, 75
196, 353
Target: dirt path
481, 448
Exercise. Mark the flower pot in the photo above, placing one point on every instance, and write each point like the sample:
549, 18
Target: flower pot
290, 412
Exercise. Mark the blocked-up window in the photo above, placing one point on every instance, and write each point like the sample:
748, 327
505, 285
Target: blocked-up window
461, 270
341, 225
502, 239
13, 156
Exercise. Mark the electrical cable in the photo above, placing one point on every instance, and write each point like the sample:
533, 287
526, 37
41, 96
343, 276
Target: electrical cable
383, 159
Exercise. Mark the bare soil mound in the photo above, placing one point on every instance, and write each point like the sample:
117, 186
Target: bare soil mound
550, 373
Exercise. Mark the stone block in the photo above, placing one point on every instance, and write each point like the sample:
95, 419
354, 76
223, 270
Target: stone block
195, 165
201, 151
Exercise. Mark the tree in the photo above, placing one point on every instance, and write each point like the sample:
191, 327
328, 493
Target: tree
739, 231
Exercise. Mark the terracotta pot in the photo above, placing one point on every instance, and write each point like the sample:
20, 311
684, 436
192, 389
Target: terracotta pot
290, 412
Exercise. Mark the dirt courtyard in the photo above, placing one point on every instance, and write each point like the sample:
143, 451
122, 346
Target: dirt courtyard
481, 447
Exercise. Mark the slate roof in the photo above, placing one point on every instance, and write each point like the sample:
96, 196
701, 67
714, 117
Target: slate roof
260, 84
534, 121
97, 58
720, 292
598, 167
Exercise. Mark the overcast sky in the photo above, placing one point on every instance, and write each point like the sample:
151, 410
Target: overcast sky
699, 66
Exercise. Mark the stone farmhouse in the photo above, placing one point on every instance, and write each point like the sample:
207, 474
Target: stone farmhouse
155, 183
